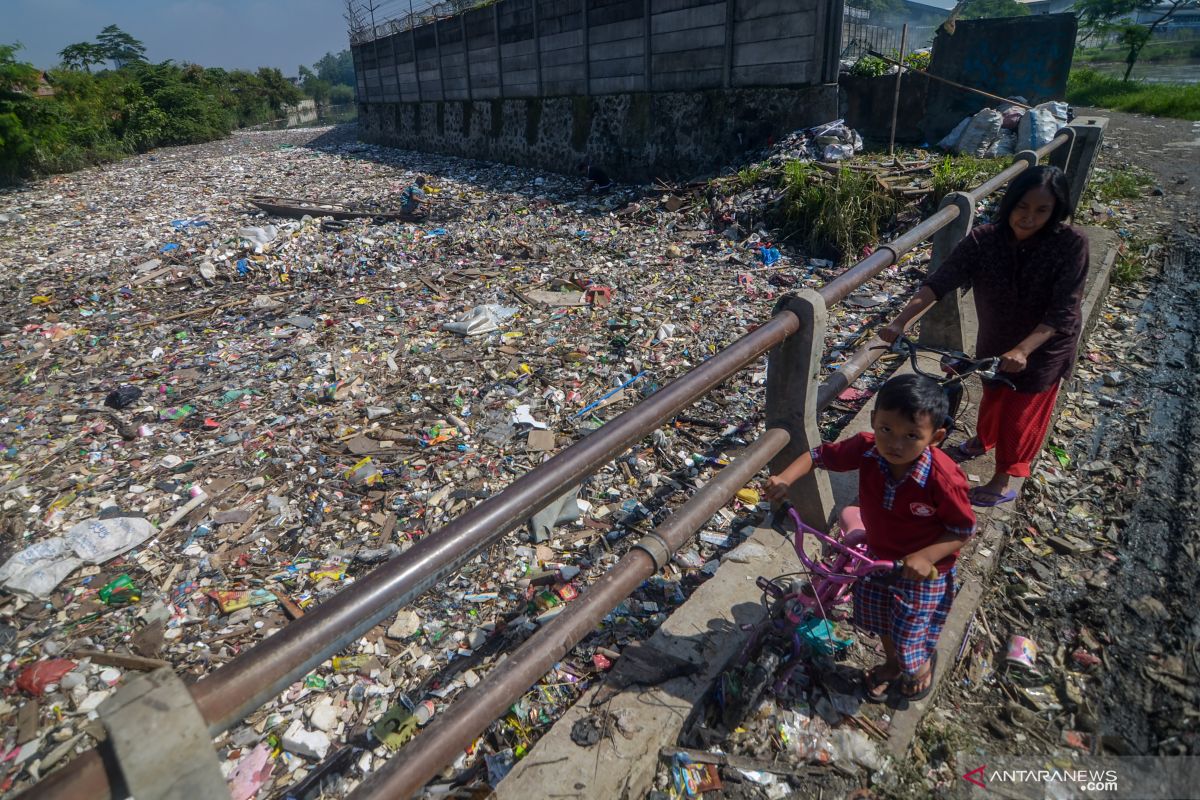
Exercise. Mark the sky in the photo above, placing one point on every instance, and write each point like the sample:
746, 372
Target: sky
234, 34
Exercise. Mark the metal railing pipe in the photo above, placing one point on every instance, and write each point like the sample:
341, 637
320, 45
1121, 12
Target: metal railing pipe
454, 729
859, 362
995, 182
887, 254
1052, 145
231, 692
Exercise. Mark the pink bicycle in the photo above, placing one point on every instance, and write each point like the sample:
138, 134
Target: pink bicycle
799, 611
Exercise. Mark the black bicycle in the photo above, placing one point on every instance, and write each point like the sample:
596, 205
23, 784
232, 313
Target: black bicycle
955, 366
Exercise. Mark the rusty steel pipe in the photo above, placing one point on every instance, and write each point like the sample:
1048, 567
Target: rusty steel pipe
850, 370
231, 692
453, 730
884, 256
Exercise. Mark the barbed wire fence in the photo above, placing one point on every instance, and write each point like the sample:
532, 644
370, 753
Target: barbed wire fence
376, 19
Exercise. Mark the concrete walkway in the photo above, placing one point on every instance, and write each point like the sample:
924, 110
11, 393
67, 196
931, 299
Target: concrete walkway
706, 631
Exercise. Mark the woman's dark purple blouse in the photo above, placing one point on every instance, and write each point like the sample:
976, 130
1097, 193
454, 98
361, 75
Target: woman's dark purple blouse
1018, 286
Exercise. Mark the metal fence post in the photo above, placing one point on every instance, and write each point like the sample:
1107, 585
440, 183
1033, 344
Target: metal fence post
942, 325
792, 369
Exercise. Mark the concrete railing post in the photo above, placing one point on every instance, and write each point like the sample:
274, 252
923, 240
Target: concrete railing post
1029, 156
1089, 133
942, 325
792, 369
1061, 155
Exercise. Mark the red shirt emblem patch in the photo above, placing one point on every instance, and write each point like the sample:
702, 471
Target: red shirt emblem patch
920, 510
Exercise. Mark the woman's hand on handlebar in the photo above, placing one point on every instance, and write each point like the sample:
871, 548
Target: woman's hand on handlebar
1013, 361
891, 332
776, 489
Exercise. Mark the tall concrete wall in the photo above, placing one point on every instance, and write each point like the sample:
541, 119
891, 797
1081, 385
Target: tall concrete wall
646, 87
549, 48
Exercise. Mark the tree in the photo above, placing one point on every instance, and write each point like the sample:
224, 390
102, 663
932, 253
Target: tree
17, 78
119, 47
313, 86
336, 69
1119, 17
82, 55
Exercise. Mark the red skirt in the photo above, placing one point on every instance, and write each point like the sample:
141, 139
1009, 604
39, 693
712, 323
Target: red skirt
1014, 424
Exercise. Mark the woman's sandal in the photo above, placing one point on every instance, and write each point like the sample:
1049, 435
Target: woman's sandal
963, 453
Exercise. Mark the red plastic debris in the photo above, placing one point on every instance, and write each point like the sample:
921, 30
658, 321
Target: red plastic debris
601, 662
34, 679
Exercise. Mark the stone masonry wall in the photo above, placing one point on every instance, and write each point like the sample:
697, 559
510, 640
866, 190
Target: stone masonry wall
634, 136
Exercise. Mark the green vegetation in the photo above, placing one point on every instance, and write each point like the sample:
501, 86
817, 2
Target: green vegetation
1116, 184
873, 67
80, 115
331, 80
1113, 18
843, 211
963, 172
987, 9
1087, 87
1160, 52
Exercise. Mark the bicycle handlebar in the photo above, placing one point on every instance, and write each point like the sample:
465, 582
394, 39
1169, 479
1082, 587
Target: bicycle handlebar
986, 368
866, 566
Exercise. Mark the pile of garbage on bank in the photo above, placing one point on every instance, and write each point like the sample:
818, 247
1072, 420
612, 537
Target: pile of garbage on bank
1007, 129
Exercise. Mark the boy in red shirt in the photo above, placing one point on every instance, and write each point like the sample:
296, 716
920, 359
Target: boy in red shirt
915, 508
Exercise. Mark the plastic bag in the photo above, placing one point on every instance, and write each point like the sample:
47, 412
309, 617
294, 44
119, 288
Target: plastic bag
950, 140
1040, 124
98, 540
37, 569
983, 129
480, 319
1005, 144
561, 511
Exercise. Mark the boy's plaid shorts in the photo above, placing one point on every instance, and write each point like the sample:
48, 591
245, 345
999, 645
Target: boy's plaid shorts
911, 612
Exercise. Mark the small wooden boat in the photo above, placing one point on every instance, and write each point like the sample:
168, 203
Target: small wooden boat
299, 207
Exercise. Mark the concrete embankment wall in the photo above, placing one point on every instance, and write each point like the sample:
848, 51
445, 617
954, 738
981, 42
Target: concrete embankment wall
646, 87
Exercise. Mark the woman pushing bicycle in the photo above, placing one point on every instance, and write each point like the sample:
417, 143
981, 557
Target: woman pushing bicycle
914, 508
1028, 271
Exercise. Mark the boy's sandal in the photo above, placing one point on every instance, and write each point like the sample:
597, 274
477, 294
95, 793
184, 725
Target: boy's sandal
905, 686
877, 688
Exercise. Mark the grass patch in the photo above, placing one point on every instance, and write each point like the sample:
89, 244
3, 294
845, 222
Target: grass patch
1135, 259
836, 214
750, 176
1118, 184
1086, 87
1154, 52
958, 173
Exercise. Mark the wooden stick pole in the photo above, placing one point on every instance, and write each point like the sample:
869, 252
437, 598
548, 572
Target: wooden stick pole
949, 82
896, 97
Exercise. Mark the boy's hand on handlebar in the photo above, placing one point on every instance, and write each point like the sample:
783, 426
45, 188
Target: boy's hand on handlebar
1013, 361
919, 568
776, 489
